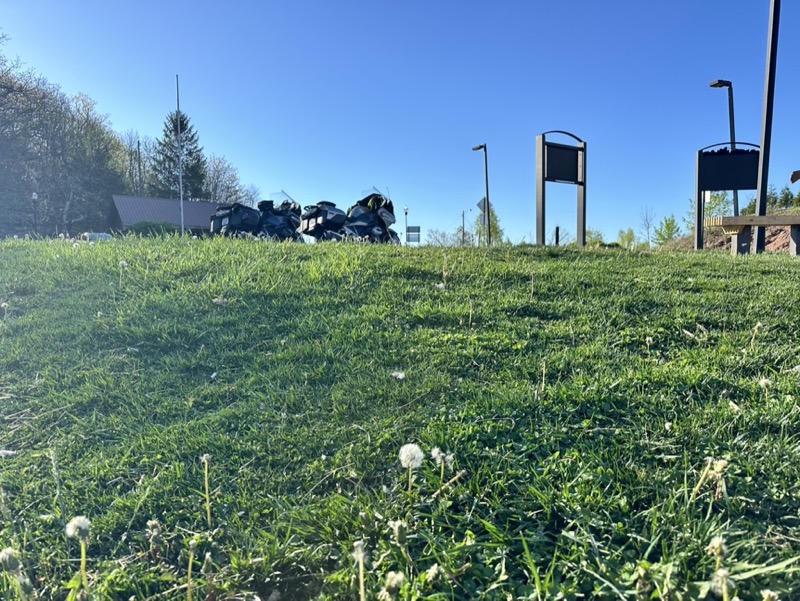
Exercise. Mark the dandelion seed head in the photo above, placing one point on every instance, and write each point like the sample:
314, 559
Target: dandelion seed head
78, 527
5, 454
206, 458
764, 383
768, 595
26, 585
193, 545
394, 581
208, 564
398, 375
9, 561
441, 285
437, 455
648, 341
399, 530
123, 264
411, 456
358, 551
384, 595
668, 426
449, 460
3, 305
717, 547
722, 582
433, 572
719, 467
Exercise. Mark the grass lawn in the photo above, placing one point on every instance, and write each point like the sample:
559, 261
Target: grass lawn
603, 416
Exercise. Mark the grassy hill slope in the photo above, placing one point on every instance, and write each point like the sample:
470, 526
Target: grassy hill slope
613, 413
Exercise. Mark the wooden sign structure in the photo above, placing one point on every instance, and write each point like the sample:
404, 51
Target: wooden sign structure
563, 164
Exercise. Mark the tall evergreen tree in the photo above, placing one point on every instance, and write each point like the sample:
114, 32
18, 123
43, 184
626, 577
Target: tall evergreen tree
164, 182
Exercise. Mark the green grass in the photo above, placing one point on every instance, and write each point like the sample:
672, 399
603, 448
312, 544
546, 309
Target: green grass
580, 391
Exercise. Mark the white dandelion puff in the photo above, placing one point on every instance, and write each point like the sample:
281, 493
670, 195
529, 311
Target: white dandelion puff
717, 547
398, 375
78, 527
394, 582
411, 456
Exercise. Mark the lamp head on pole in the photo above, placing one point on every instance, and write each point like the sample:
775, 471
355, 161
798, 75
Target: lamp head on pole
405, 210
720, 83
479, 147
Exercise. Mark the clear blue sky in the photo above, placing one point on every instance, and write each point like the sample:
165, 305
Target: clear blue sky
325, 99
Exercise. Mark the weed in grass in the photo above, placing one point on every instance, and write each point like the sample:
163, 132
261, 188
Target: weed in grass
398, 375
769, 595
765, 384
392, 585
440, 459
14, 575
758, 327
123, 265
714, 472
189, 583
722, 584
79, 527
206, 459
4, 307
155, 538
411, 457
461, 474
360, 556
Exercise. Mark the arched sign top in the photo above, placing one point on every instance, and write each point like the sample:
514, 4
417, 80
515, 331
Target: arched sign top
728, 145
566, 133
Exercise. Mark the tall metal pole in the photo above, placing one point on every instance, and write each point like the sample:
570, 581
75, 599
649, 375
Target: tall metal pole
733, 144
180, 152
766, 127
488, 205
405, 210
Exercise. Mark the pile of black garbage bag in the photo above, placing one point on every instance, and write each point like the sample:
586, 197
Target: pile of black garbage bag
366, 221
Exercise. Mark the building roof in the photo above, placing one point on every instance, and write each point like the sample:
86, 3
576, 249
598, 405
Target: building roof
136, 209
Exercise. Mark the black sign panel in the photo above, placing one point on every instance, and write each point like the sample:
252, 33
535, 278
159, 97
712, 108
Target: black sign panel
562, 163
725, 170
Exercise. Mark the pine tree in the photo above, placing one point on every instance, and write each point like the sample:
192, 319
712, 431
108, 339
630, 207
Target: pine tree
164, 182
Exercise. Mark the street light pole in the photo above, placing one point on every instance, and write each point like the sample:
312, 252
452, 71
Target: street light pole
488, 205
405, 210
724, 83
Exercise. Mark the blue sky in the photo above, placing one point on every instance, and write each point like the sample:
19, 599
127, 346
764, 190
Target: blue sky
325, 99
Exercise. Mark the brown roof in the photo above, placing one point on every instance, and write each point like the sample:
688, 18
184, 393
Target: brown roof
136, 209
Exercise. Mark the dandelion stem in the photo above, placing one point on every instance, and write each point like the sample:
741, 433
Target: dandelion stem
208, 496
362, 591
410, 476
703, 478
189, 577
449, 483
84, 576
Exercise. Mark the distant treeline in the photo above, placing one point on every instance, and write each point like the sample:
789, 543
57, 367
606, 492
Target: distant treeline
60, 160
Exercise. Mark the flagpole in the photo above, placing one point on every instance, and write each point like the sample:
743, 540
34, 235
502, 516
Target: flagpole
180, 151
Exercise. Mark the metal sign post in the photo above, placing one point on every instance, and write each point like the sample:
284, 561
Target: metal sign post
564, 164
